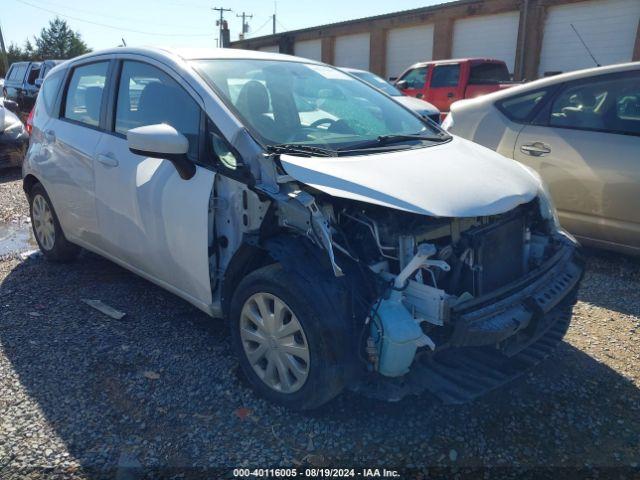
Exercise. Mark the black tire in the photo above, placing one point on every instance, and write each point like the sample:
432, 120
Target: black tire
326, 375
62, 250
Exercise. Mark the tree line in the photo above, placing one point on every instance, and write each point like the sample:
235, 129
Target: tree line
57, 41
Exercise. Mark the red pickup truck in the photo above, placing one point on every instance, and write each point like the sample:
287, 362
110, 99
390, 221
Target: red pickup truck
442, 82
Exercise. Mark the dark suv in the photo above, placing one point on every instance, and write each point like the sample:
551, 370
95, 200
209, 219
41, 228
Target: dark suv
23, 81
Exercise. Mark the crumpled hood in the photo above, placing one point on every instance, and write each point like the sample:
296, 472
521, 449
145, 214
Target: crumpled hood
455, 179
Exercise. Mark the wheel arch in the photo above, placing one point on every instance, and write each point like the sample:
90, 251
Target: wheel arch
28, 182
293, 252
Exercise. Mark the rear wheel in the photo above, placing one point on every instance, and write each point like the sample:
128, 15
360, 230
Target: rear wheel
46, 228
284, 346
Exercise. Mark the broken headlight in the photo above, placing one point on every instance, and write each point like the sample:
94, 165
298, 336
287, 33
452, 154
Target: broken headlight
547, 207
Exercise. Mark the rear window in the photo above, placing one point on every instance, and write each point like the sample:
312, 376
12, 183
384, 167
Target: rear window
488, 73
84, 94
520, 107
445, 76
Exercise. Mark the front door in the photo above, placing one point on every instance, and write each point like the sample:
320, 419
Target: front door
150, 219
587, 150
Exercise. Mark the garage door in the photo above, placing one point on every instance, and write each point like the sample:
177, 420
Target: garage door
270, 48
406, 46
608, 27
490, 36
308, 49
352, 51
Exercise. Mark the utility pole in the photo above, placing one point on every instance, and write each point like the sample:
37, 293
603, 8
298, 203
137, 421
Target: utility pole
5, 59
275, 10
245, 25
220, 23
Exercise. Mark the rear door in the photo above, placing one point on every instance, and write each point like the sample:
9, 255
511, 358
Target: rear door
586, 146
150, 219
70, 139
444, 86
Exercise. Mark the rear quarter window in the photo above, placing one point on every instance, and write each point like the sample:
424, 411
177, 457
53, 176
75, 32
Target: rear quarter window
519, 108
49, 91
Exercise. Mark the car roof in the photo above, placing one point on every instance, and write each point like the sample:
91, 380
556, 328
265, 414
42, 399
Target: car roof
561, 78
198, 54
458, 60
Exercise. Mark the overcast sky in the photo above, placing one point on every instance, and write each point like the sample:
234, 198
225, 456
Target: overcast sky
103, 23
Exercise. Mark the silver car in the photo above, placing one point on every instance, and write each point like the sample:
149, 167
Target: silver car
581, 132
349, 242
421, 107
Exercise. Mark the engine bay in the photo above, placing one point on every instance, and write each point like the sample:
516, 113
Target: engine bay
423, 267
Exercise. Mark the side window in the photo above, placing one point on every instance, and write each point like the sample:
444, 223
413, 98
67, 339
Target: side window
610, 104
84, 94
49, 90
17, 72
148, 96
445, 76
519, 108
11, 73
415, 78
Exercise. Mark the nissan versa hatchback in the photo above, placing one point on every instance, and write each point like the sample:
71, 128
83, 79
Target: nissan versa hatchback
349, 242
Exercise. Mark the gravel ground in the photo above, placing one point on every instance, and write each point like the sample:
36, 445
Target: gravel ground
81, 393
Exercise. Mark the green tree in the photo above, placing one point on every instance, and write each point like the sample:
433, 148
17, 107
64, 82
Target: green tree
14, 54
58, 41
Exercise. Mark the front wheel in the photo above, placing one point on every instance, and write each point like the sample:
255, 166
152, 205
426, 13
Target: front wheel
46, 228
279, 330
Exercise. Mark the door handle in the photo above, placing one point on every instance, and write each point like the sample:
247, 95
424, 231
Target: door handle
536, 149
107, 160
450, 95
50, 136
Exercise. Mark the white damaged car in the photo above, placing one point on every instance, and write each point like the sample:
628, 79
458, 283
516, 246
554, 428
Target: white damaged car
349, 242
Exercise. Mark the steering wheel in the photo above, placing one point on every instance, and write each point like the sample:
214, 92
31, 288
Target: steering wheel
322, 121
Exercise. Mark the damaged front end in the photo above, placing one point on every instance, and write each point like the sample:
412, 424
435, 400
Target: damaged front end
459, 305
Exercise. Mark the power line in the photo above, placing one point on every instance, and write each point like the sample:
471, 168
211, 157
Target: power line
104, 15
281, 25
113, 26
263, 25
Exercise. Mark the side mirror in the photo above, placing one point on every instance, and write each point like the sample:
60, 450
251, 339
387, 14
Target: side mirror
165, 142
11, 105
402, 85
393, 79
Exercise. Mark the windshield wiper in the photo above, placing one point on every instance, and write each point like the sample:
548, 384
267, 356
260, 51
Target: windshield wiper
301, 149
387, 139
384, 140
